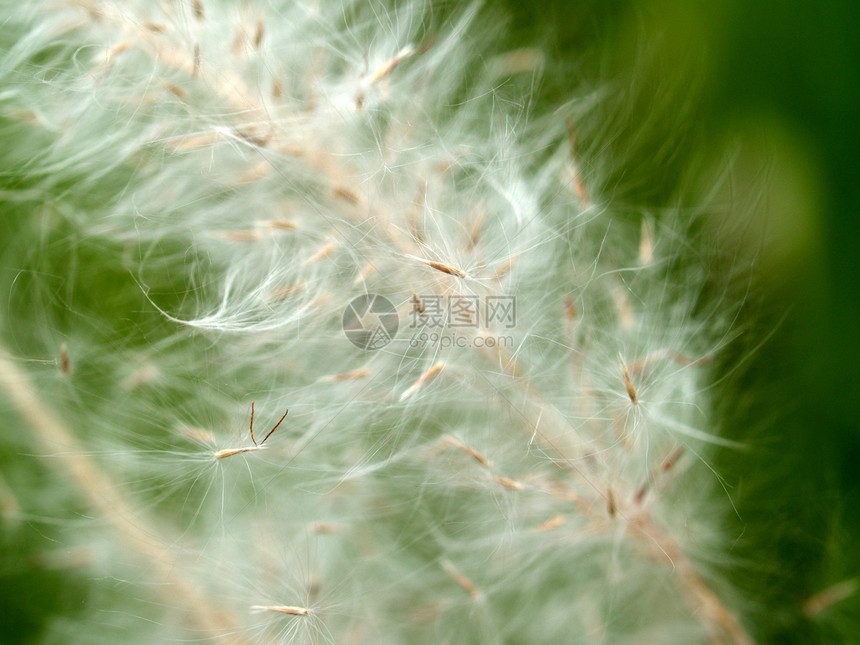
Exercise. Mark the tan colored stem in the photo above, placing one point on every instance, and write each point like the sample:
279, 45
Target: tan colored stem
722, 625
103, 496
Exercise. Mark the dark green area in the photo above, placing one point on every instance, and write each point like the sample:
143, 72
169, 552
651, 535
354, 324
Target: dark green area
29, 593
794, 398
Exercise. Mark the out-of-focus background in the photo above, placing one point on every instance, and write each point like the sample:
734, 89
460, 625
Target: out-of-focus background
768, 89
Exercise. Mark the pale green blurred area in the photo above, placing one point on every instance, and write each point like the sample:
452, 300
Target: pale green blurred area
782, 221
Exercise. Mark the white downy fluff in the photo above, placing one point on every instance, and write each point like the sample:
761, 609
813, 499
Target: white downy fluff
253, 167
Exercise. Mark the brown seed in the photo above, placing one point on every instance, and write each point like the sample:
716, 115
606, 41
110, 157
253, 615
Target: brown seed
416, 227
142, 376
475, 232
517, 61
198, 434
229, 452
9, 507
426, 377
282, 224
120, 47
646, 244
353, 375
444, 268
240, 236
579, 185
255, 172
570, 309
195, 68
283, 609
474, 454
174, 89
505, 267
467, 585
389, 66
258, 34
508, 483
640, 364
238, 45
286, 292
323, 252
622, 306
258, 140
320, 299
672, 459
640, 493
666, 465
346, 195
65, 363
551, 524
366, 271
72, 558
577, 181
28, 116
628, 384
182, 144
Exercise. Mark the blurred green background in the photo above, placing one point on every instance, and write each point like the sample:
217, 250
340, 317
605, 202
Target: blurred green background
770, 87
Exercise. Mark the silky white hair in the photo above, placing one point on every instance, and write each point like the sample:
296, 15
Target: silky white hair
253, 168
